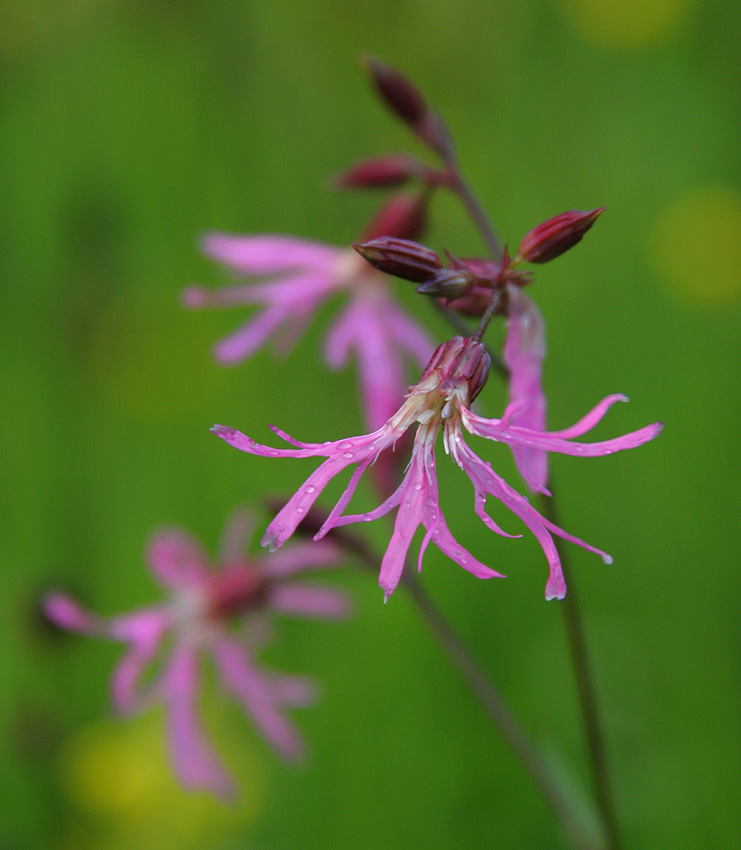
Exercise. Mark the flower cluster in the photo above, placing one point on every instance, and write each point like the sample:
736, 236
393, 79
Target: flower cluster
220, 611
205, 604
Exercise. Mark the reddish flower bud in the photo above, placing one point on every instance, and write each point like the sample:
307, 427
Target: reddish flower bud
401, 258
406, 102
383, 171
557, 235
401, 97
402, 216
448, 283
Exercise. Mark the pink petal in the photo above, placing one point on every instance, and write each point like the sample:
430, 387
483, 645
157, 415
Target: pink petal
144, 630
524, 350
236, 535
177, 559
589, 420
363, 328
257, 697
514, 435
308, 601
301, 556
194, 760
245, 341
484, 477
294, 691
410, 336
260, 255
64, 612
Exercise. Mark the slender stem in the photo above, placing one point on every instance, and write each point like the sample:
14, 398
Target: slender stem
498, 711
486, 318
459, 325
476, 211
482, 687
586, 691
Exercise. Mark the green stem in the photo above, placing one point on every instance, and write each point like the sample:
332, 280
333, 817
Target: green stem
577, 642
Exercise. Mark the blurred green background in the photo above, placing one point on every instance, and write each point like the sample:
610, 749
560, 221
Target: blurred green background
130, 128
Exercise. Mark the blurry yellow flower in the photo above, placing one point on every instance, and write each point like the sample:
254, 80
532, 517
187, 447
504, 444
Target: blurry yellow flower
118, 774
696, 244
626, 23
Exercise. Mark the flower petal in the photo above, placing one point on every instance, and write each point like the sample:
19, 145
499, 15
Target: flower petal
193, 759
301, 556
524, 350
236, 535
256, 696
310, 601
177, 559
267, 254
66, 613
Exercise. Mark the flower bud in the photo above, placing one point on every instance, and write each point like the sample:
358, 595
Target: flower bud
448, 283
404, 216
400, 257
407, 103
555, 236
383, 171
401, 97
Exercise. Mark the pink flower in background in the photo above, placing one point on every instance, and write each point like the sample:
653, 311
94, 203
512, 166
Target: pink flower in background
204, 602
524, 350
440, 400
303, 275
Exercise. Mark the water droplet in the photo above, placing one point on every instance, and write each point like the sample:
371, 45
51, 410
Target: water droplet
418, 485
366, 517
300, 511
348, 455
310, 489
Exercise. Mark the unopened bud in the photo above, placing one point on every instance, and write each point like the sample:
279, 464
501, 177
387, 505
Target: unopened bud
555, 236
448, 283
403, 216
401, 258
406, 101
401, 97
383, 171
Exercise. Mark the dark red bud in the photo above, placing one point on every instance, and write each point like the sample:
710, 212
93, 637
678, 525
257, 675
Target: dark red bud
403, 216
400, 257
401, 97
555, 236
406, 102
383, 171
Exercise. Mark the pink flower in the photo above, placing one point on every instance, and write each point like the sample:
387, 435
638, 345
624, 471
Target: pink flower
440, 401
203, 603
305, 274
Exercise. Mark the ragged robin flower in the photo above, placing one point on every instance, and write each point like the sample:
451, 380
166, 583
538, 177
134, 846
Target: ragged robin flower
205, 605
441, 400
300, 276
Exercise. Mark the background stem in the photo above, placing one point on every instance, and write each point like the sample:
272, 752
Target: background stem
577, 643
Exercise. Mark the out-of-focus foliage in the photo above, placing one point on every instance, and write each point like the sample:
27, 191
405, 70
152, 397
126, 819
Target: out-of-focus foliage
130, 128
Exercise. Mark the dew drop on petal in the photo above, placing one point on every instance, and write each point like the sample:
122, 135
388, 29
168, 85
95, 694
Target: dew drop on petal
300, 511
310, 489
348, 455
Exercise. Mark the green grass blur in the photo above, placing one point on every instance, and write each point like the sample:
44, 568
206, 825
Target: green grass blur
130, 128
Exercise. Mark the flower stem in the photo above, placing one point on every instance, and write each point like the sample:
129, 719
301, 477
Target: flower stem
498, 711
460, 326
475, 210
586, 692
